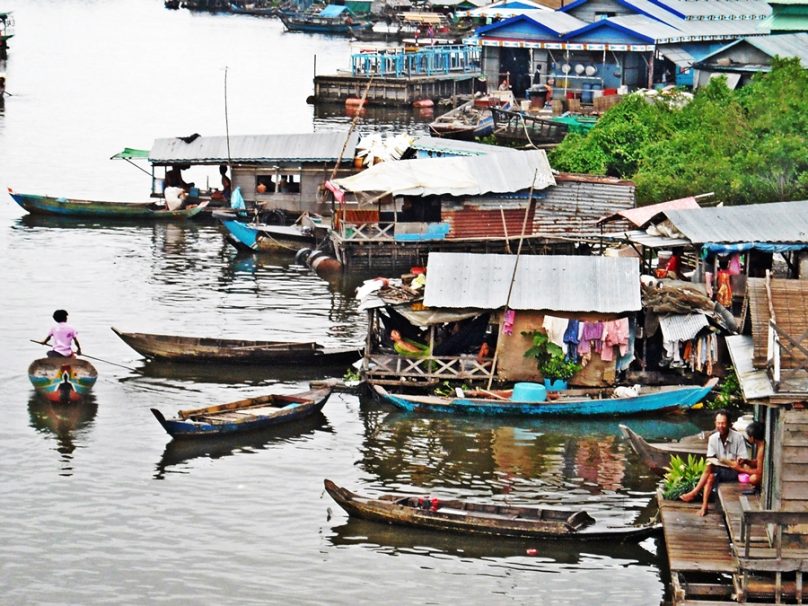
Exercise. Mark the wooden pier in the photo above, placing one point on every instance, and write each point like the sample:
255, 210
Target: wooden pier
392, 91
737, 553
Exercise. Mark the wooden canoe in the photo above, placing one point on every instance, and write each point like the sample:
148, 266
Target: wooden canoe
246, 415
62, 380
259, 237
236, 351
454, 515
657, 455
68, 207
571, 403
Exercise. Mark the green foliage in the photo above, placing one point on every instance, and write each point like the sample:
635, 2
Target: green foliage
446, 389
728, 395
550, 359
747, 146
681, 476
351, 376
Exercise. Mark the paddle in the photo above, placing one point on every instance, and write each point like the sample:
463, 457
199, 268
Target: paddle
83, 355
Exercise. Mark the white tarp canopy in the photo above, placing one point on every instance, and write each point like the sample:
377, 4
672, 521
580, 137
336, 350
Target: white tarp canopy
456, 176
505, 9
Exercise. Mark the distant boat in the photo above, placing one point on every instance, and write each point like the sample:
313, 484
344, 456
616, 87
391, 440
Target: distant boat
657, 455
454, 515
62, 380
68, 207
333, 19
253, 9
251, 414
471, 119
571, 403
235, 351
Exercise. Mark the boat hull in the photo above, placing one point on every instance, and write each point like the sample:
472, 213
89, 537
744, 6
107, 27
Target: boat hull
235, 351
67, 207
243, 416
62, 380
657, 456
275, 238
678, 397
480, 519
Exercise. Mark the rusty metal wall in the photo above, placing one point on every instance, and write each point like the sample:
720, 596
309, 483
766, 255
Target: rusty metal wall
577, 202
475, 221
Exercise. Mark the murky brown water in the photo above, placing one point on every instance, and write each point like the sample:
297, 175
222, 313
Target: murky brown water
98, 505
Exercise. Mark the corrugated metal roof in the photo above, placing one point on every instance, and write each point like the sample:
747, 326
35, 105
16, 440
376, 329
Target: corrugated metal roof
774, 222
716, 9
646, 26
641, 238
255, 149
505, 8
456, 176
456, 147
553, 283
784, 45
682, 327
574, 206
642, 215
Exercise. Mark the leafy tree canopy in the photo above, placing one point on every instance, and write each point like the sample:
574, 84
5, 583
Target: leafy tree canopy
747, 146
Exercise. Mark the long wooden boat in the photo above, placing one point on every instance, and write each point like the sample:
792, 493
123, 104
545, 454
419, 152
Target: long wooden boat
314, 24
571, 403
258, 237
454, 515
471, 119
246, 415
511, 127
202, 349
70, 207
657, 455
62, 380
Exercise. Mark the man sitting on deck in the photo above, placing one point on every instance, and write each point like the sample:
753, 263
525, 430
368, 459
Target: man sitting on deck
726, 445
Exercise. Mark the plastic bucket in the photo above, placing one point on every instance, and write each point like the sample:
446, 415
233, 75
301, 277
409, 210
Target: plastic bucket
529, 392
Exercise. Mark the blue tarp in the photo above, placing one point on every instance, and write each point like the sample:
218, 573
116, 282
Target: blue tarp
236, 200
332, 11
723, 249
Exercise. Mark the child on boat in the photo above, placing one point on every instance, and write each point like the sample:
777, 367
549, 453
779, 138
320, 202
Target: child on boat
64, 336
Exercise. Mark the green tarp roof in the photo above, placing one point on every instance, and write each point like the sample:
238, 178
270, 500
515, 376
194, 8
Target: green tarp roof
129, 153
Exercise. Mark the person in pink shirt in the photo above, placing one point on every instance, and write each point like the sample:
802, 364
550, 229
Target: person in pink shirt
63, 336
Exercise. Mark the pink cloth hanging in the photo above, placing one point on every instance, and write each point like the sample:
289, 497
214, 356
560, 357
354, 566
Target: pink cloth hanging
507, 325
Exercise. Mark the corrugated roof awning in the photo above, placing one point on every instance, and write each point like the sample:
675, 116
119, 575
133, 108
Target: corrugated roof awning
676, 54
642, 215
574, 284
641, 238
130, 153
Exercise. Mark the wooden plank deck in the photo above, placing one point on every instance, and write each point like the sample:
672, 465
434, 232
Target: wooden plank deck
695, 543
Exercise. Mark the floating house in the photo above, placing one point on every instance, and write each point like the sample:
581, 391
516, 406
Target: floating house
591, 47
393, 214
275, 172
739, 61
753, 548
473, 299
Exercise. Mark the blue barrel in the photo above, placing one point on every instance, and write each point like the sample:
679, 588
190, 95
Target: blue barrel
529, 392
586, 93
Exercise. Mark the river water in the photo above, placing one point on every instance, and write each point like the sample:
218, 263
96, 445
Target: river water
98, 505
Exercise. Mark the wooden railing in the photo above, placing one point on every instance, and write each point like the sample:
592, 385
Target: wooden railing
367, 232
772, 557
390, 369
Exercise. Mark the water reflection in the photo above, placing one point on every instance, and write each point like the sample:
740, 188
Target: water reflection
179, 452
64, 422
398, 540
256, 375
329, 116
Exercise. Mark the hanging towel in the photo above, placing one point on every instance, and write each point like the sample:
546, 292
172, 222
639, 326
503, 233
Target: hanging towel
509, 319
555, 328
615, 334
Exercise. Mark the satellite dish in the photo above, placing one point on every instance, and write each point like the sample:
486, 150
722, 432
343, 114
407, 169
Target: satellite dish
591, 70
565, 68
579, 69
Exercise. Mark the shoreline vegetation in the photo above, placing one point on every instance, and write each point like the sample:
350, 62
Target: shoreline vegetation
746, 145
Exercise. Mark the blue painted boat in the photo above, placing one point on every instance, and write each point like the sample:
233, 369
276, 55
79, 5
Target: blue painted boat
69, 207
571, 403
259, 237
247, 415
62, 380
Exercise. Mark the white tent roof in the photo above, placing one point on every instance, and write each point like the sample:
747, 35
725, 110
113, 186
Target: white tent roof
505, 9
457, 176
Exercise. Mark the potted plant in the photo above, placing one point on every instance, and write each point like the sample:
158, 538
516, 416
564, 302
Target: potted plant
554, 366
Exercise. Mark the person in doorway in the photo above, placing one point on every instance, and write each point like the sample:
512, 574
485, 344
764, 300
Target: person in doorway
227, 184
726, 447
506, 82
64, 336
755, 434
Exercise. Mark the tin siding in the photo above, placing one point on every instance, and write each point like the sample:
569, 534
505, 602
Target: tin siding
472, 221
575, 206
